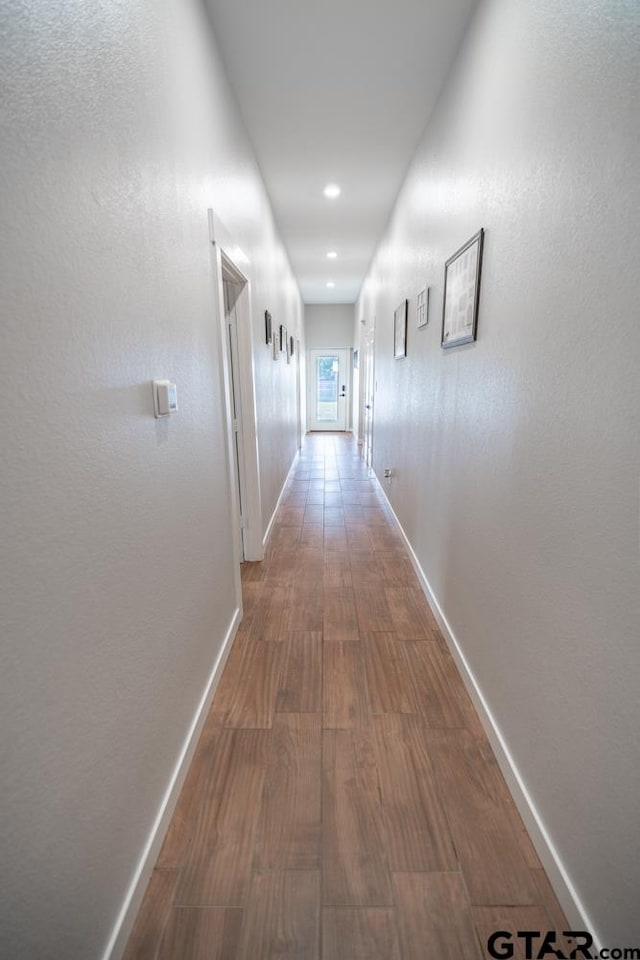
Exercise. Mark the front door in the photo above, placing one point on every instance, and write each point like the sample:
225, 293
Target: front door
328, 399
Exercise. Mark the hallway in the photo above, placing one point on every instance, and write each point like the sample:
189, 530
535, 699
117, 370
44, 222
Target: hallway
343, 802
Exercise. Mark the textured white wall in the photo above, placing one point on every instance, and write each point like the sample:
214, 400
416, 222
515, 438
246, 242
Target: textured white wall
516, 459
328, 325
118, 133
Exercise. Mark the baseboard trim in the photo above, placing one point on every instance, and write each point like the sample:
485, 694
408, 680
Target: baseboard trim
124, 924
544, 846
279, 500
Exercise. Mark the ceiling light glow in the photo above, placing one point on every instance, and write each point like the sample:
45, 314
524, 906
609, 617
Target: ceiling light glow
331, 283
332, 255
331, 191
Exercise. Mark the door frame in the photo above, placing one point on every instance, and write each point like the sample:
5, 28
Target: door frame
230, 263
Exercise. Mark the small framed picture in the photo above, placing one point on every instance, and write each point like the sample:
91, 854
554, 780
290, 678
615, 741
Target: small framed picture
291, 346
422, 307
268, 334
400, 330
462, 293
283, 338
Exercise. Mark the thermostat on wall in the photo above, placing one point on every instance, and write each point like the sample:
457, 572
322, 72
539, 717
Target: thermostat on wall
165, 398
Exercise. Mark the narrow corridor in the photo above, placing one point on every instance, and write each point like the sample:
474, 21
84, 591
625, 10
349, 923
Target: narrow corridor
343, 802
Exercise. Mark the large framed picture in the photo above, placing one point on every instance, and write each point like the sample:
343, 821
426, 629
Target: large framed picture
462, 293
400, 330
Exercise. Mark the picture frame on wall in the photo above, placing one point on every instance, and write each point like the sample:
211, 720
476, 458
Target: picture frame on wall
462, 293
291, 346
400, 330
268, 333
422, 307
283, 337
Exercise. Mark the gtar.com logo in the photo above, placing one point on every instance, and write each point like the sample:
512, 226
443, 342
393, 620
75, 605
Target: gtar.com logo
538, 945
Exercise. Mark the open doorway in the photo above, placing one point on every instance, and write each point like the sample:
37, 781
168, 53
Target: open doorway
231, 291
232, 282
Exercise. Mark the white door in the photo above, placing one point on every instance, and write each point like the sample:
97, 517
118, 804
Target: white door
298, 392
328, 396
230, 296
368, 396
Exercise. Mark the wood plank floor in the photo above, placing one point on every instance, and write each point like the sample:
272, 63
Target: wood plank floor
343, 802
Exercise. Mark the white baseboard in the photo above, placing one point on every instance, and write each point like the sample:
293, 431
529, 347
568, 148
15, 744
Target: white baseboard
124, 923
275, 509
556, 872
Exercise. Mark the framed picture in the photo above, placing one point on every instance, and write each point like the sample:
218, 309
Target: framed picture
422, 307
462, 293
283, 337
268, 334
291, 346
400, 330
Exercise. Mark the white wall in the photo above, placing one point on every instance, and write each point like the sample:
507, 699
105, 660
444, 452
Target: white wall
516, 459
328, 325
276, 400
117, 576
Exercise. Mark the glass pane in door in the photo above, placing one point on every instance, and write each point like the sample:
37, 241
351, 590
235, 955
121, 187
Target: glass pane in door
327, 388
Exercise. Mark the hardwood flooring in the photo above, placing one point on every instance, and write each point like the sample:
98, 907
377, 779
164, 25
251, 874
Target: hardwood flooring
343, 802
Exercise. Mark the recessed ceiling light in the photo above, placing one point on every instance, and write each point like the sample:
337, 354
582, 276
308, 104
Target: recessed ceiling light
332, 255
331, 283
331, 191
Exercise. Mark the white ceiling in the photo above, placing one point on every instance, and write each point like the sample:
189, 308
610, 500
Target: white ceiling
336, 91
